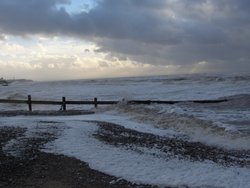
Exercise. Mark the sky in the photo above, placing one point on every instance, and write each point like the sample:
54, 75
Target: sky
75, 39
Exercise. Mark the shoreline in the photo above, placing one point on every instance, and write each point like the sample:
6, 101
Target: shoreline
39, 169
23, 162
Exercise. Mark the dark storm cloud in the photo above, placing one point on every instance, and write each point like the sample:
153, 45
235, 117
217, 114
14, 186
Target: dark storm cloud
32, 16
179, 32
132, 20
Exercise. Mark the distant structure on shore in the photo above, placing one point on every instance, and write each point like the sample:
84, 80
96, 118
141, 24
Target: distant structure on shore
4, 82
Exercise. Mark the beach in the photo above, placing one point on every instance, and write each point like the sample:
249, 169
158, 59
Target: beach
40, 169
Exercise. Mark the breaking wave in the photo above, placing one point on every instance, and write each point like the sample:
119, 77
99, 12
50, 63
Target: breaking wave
169, 79
198, 78
17, 96
188, 126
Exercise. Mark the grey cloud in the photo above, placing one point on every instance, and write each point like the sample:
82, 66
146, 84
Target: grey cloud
111, 19
32, 16
2, 37
157, 32
103, 64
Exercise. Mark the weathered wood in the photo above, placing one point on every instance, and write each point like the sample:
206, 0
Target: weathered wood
80, 102
151, 101
56, 102
139, 102
95, 102
92, 102
29, 103
173, 102
210, 101
47, 102
63, 103
107, 102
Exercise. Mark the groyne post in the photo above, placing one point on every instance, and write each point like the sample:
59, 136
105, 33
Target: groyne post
30, 103
95, 102
63, 103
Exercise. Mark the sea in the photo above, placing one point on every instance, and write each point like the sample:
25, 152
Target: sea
224, 126
233, 115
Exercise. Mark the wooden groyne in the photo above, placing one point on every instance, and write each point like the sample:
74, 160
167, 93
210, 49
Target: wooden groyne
63, 103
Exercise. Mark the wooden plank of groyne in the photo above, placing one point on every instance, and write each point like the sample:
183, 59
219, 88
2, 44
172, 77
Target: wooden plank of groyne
149, 102
173, 102
47, 102
108, 102
95, 102
92, 102
210, 101
80, 102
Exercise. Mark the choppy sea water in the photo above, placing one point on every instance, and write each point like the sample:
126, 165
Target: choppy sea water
208, 144
232, 116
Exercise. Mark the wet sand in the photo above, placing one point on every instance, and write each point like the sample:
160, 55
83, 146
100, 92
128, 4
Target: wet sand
31, 167
118, 136
36, 169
